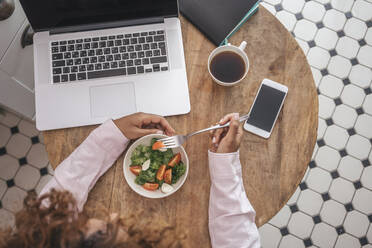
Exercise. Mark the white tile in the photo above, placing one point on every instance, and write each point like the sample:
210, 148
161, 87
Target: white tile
300, 225
305, 29
355, 28
347, 47
38, 156
342, 5
352, 95
324, 235
27, 177
341, 190
304, 46
3, 188
326, 106
362, 10
336, 137
28, 128
369, 234
270, 236
322, 126
273, 2
364, 55
18, 145
310, 202
50, 169
313, 11
316, 75
318, 57
344, 116
323, 1
363, 126
331, 86
366, 178
4, 135
358, 146
356, 224
315, 151
291, 241
327, 158
7, 219
13, 199
368, 37
281, 218
319, 180
9, 167
333, 213
326, 38
367, 105
9, 119
339, 66
362, 201
41, 138
346, 240
294, 197
43, 181
287, 19
350, 168
293, 6
334, 19
360, 75
269, 7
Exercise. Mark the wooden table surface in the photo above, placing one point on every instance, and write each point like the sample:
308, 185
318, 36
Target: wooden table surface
272, 169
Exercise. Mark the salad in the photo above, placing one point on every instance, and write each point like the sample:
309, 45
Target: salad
156, 167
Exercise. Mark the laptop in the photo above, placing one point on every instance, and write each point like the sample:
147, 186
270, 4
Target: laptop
101, 59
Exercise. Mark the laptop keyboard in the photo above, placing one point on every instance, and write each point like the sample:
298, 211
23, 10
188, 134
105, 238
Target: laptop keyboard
107, 56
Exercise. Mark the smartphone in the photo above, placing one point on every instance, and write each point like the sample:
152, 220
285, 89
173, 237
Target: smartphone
266, 108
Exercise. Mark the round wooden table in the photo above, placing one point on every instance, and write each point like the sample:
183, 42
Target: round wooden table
272, 168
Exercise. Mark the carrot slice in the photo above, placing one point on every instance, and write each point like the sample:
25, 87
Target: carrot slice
157, 145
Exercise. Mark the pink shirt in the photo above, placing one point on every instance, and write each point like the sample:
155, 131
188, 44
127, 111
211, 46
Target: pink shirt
231, 216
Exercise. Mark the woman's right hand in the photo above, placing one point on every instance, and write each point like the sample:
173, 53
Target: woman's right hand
227, 140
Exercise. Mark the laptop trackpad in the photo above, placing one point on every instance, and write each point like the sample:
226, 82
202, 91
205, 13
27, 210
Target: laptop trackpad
112, 100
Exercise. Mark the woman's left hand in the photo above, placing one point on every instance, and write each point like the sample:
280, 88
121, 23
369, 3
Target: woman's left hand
140, 124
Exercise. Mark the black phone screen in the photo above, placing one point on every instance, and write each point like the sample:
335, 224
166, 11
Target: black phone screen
266, 108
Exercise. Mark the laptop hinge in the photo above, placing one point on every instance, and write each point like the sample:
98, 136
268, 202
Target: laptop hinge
105, 25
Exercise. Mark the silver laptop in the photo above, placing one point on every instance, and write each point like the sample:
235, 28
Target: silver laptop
101, 59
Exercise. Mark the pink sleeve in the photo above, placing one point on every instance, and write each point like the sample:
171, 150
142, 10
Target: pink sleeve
79, 172
231, 216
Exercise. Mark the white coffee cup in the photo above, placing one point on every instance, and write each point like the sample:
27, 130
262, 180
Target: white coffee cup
237, 50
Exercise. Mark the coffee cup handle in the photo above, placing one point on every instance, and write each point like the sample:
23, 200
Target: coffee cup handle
242, 45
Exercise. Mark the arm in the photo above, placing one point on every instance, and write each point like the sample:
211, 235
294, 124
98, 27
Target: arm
231, 216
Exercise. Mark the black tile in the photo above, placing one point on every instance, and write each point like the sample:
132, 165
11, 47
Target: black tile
343, 153
327, 6
284, 231
325, 196
293, 208
324, 72
329, 122
312, 164
10, 183
351, 131
340, 230
357, 185
319, 25
43, 171
332, 52
354, 61
367, 91
349, 207
2, 151
1, 205
14, 130
340, 33
362, 42
299, 16
370, 141
317, 219
318, 91
35, 140
370, 218
366, 163
320, 142
308, 242
311, 43
360, 111
369, 23
334, 174
348, 15
303, 186
22, 161
338, 101
293, 34
363, 241
346, 81
278, 7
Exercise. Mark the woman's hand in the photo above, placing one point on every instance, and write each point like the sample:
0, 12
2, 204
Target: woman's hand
227, 140
140, 124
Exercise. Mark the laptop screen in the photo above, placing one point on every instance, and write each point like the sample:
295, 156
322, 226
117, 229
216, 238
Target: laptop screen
48, 14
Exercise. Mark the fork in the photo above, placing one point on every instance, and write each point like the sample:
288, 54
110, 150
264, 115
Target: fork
178, 140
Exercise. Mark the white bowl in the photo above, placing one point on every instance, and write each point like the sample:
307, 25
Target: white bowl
130, 177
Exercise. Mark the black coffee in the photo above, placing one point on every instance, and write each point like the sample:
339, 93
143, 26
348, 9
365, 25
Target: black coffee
227, 67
